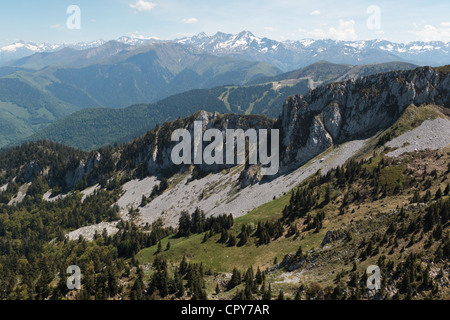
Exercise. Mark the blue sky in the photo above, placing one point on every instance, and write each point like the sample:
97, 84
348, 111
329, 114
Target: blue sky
400, 21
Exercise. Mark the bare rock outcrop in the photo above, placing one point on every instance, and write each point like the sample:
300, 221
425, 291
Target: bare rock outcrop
355, 109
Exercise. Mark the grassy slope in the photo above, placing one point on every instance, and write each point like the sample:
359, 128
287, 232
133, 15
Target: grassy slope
222, 258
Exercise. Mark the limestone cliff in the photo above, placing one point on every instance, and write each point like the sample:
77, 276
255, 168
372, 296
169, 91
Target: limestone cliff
355, 109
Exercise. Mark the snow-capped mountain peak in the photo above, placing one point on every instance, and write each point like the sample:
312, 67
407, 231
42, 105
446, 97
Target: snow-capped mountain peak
22, 45
290, 54
222, 43
286, 55
21, 49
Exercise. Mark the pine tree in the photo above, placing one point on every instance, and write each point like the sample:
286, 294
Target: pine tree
178, 283
427, 197
232, 241
217, 289
327, 195
159, 250
224, 237
113, 283
183, 266
144, 201
416, 197
249, 280
184, 224
268, 294
259, 276
437, 232
438, 194
299, 253
243, 236
447, 189
236, 279
137, 291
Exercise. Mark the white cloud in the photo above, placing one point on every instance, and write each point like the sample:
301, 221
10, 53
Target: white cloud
183, 34
143, 6
55, 26
315, 13
93, 20
345, 31
317, 34
268, 28
190, 20
432, 33
137, 35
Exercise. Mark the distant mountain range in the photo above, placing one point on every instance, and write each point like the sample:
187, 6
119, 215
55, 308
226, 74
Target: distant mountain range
286, 55
290, 55
22, 49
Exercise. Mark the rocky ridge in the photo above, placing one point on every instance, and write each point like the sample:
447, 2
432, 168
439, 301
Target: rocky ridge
340, 112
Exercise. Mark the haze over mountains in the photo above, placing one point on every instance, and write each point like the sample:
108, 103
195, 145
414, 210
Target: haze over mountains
22, 49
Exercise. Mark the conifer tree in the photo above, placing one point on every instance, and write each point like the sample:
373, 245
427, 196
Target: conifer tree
159, 250
268, 294
217, 289
236, 279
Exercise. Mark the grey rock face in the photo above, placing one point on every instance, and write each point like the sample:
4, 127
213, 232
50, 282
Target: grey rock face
159, 156
355, 109
72, 177
32, 170
332, 236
